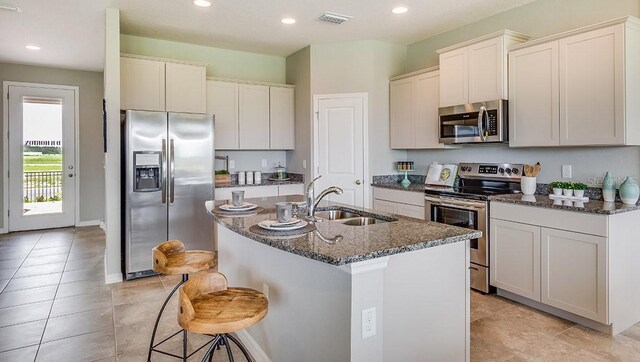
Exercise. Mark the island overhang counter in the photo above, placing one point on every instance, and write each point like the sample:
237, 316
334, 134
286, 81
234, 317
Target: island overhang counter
411, 275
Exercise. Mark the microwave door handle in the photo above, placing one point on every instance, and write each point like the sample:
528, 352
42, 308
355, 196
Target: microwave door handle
481, 114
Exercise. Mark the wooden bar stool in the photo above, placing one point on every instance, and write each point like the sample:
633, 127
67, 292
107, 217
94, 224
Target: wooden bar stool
171, 258
209, 306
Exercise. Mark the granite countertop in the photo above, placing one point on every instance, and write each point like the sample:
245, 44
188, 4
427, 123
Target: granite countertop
358, 243
413, 187
591, 206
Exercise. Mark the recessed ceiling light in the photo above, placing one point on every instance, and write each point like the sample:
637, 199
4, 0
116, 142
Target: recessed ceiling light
288, 21
10, 7
32, 47
202, 3
399, 10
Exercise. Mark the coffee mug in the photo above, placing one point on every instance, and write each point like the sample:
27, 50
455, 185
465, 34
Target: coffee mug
284, 211
237, 198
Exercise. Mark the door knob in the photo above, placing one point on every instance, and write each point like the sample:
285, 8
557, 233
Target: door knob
70, 175
358, 182
70, 167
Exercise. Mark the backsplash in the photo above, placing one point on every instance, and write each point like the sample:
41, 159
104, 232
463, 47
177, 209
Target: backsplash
385, 179
295, 177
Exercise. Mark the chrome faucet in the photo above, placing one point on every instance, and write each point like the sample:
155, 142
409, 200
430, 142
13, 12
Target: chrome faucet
312, 201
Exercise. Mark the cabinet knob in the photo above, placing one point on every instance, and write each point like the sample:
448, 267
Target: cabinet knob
358, 182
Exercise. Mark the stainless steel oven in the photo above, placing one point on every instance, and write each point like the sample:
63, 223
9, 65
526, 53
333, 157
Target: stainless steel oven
474, 123
471, 214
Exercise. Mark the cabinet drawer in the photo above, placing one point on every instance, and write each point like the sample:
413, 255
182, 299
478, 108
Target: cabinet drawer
385, 206
297, 189
411, 211
551, 218
249, 192
405, 197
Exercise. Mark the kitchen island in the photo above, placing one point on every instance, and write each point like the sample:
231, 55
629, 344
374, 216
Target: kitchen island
411, 275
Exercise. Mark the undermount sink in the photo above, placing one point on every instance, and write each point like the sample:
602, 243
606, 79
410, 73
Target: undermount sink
336, 215
362, 221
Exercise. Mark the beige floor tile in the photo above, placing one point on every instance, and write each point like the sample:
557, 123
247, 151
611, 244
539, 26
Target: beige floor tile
11, 264
80, 303
15, 254
21, 335
77, 324
47, 244
33, 282
82, 287
633, 332
24, 296
85, 254
557, 351
95, 274
147, 293
484, 305
617, 348
24, 313
86, 347
7, 273
28, 271
135, 283
50, 251
44, 260
20, 354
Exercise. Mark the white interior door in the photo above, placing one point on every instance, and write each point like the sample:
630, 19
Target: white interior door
42, 171
339, 144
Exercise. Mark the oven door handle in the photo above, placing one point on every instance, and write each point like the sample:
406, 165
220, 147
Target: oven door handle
455, 204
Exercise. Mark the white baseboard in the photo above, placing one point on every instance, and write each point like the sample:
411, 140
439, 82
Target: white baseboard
113, 278
3, 231
82, 224
252, 346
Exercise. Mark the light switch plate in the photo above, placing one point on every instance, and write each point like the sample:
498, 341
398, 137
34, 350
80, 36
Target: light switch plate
566, 171
264, 163
232, 164
304, 164
368, 322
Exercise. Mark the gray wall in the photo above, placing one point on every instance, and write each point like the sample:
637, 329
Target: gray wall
537, 19
90, 152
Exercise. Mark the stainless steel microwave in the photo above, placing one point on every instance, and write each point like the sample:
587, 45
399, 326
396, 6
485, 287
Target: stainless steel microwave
484, 122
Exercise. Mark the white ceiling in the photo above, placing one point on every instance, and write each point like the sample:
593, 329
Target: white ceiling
71, 32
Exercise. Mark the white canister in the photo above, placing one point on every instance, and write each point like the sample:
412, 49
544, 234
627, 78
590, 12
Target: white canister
249, 177
241, 178
257, 177
528, 185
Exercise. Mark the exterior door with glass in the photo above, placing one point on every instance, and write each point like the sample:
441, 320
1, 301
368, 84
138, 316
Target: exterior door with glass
42, 189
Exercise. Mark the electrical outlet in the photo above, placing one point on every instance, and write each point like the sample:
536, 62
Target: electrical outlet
368, 322
304, 164
232, 164
264, 163
265, 290
566, 171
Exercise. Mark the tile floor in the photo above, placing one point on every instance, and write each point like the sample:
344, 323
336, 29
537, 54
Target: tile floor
54, 306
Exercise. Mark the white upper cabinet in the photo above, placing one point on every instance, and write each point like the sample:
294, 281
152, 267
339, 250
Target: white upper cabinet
142, 84
476, 70
222, 102
578, 88
413, 111
185, 88
281, 115
157, 85
254, 116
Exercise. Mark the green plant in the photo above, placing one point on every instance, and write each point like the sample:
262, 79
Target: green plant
579, 186
557, 184
57, 197
27, 200
40, 198
222, 172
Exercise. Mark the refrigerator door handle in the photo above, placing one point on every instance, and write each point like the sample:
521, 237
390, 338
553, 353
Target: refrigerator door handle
172, 166
164, 171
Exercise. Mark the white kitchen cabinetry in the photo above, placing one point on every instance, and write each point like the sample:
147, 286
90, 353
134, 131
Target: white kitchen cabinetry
159, 85
576, 265
222, 102
515, 258
185, 88
413, 110
405, 203
574, 274
476, 70
142, 84
291, 189
224, 193
281, 117
253, 116
577, 88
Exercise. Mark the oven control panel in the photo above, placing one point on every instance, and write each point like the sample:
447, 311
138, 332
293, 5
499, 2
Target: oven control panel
490, 170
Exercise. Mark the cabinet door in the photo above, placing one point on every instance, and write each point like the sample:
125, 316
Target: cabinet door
454, 78
591, 87
281, 115
142, 84
426, 102
385, 206
574, 268
293, 189
487, 70
254, 116
186, 88
401, 116
534, 107
515, 258
411, 211
222, 102
224, 193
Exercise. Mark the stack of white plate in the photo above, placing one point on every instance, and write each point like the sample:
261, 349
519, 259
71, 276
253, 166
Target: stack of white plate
244, 207
275, 225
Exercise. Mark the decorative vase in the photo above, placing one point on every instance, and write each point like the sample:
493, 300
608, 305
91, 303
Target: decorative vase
567, 192
557, 191
629, 191
578, 193
608, 188
528, 185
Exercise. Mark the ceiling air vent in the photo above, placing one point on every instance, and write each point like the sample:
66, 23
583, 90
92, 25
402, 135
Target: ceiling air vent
334, 18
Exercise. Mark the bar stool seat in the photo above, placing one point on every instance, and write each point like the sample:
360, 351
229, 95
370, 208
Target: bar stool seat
171, 258
209, 306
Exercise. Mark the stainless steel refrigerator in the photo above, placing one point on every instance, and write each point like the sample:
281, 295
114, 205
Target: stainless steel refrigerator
167, 176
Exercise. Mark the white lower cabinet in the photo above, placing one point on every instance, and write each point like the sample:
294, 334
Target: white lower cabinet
405, 203
515, 258
224, 193
574, 273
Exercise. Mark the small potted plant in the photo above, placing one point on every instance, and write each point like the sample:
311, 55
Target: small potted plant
578, 189
557, 188
567, 189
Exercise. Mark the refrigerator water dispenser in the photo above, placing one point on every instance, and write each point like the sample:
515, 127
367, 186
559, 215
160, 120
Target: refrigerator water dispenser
147, 171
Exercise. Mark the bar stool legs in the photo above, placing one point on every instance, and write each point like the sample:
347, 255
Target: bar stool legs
152, 347
223, 339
